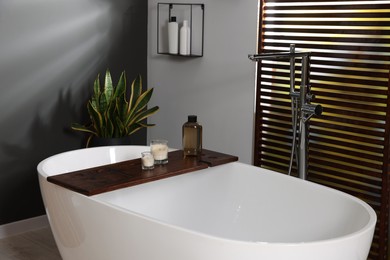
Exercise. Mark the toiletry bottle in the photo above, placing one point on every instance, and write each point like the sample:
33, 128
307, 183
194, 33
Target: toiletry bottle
185, 39
192, 137
173, 36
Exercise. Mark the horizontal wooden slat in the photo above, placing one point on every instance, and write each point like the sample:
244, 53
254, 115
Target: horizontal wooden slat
341, 166
341, 159
348, 144
376, 137
345, 103
350, 128
357, 153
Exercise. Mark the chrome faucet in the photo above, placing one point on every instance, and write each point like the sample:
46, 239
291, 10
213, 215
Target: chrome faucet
301, 108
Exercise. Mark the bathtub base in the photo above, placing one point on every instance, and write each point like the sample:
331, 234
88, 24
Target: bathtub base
231, 211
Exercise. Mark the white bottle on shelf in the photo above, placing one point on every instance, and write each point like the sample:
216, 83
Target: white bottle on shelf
185, 39
173, 35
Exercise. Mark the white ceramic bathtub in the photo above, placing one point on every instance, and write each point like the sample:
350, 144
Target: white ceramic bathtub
233, 211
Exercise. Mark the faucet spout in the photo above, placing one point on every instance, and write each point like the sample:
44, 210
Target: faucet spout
277, 55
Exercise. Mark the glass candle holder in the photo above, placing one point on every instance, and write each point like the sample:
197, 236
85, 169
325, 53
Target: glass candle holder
147, 160
159, 149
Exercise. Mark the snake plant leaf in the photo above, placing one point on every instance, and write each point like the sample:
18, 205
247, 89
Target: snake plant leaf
89, 140
136, 90
96, 119
121, 108
138, 126
146, 125
139, 105
82, 128
134, 128
109, 129
96, 93
111, 114
141, 115
120, 88
108, 87
121, 128
143, 100
103, 104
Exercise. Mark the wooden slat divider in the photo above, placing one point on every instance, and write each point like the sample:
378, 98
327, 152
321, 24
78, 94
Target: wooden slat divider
350, 61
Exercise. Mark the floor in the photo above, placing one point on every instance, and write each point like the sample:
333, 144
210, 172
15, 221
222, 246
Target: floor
33, 245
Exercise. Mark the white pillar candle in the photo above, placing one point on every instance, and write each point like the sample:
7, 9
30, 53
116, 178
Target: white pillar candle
147, 161
159, 149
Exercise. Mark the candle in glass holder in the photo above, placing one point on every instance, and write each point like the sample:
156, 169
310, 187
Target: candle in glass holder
147, 160
159, 149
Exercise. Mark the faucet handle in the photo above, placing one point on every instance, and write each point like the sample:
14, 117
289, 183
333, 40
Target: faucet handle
310, 97
312, 109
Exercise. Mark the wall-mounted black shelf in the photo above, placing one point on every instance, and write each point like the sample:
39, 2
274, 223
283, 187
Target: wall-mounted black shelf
193, 13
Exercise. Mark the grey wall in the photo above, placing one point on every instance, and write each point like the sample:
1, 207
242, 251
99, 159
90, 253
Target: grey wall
219, 87
50, 53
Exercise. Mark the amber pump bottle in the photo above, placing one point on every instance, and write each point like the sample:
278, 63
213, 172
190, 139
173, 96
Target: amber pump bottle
192, 137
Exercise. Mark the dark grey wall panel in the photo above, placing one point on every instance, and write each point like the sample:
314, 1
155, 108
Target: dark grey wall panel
50, 53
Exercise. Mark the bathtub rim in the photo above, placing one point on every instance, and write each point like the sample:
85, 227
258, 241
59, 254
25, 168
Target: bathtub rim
366, 228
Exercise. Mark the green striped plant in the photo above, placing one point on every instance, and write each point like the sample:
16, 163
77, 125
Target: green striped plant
113, 112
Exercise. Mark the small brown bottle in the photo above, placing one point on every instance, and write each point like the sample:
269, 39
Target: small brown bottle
192, 137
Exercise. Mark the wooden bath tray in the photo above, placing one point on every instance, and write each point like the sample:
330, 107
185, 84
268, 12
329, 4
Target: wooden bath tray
110, 177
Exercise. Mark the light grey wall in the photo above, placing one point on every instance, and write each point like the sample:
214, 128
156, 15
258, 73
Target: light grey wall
219, 87
50, 53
